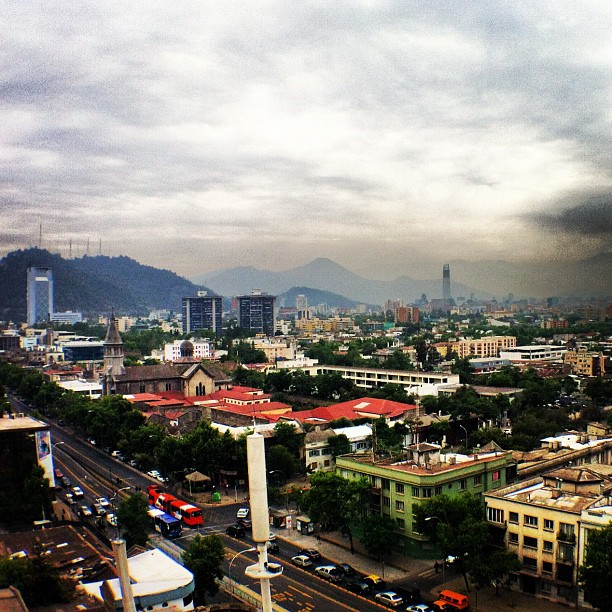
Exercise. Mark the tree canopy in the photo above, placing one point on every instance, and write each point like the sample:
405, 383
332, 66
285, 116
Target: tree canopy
133, 518
597, 569
203, 558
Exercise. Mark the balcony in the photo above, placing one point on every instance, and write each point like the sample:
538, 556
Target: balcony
564, 536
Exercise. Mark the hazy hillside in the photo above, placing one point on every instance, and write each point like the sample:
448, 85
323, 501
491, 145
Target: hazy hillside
485, 279
91, 284
327, 275
315, 296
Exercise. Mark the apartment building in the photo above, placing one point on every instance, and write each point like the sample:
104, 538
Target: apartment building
257, 312
399, 484
582, 362
420, 383
541, 521
538, 352
490, 346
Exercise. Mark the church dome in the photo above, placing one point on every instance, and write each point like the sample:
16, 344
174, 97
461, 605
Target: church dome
186, 349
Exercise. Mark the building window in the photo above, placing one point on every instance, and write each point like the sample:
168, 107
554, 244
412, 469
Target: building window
530, 564
547, 568
438, 491
168, 388
327, 463
547, 546
399, 488
463, 484
386, 485
427, 492
513, 538
477, 480
549, 525
530, 521
314, 453
142, 388
496, 515
495, 476
401, 523
529, 542
415, 491
386, 502
513, 518
399, 505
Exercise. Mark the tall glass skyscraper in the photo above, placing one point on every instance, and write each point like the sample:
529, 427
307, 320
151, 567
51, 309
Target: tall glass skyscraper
202, 312
39, 295
256, 312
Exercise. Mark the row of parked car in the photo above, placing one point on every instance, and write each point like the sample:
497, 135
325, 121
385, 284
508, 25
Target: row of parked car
367, 586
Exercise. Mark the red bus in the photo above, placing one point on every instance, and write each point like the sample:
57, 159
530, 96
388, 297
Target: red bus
189, 514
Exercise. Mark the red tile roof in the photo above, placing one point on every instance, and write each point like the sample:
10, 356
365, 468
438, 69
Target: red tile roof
364, 407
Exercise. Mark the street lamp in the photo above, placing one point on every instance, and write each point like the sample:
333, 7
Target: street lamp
433, 518
229, 573
112, 502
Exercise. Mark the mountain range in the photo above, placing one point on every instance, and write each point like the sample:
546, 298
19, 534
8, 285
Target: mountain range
482, 280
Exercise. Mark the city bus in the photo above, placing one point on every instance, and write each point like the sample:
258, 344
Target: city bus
164, 523
188, 514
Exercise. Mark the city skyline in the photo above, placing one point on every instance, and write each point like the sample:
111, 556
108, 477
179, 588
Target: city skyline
203, 137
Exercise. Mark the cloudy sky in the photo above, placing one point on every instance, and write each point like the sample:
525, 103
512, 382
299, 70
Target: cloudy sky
388, 136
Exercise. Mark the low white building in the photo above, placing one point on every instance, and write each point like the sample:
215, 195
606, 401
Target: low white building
200, 349
537, 352
82, 387
158, 583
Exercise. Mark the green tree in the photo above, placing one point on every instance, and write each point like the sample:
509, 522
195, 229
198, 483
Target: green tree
203, 558
336, 502
459, 526
133, 519
288, 435
281, 459
339, 445
597, 568
379, 535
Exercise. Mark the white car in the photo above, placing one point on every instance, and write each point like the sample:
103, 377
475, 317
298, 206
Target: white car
271, 537
242, 513
111, 519
389, 598
77, 493
103, 502
329, 572
419, 608
153, 474
301, 561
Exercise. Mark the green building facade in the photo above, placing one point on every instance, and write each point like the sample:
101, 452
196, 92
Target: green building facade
399, 484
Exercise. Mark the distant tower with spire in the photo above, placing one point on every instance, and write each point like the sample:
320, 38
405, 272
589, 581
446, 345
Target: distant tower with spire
113, 356
446, 286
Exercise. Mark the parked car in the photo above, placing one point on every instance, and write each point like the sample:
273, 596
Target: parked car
245, 523
410, 593
312, 553
236, 531
98, 510
361, 587
301, 560
389, 598
111, 519
133, 463
65, 482
419, 608
271, 537
346, 569
329, 572
84, 510
376, 581
153, 473
273, 548
77, 493
242, 513
161, 478
103, 502
69, 499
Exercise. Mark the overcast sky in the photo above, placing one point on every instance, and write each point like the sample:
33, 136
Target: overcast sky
388, 136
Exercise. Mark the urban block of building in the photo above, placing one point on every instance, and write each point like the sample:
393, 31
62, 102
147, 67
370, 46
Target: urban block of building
541, 520
202, 312
421, 472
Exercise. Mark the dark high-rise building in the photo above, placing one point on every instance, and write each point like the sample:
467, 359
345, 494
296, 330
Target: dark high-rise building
39, 295
446, 286
256, 312
202, 312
